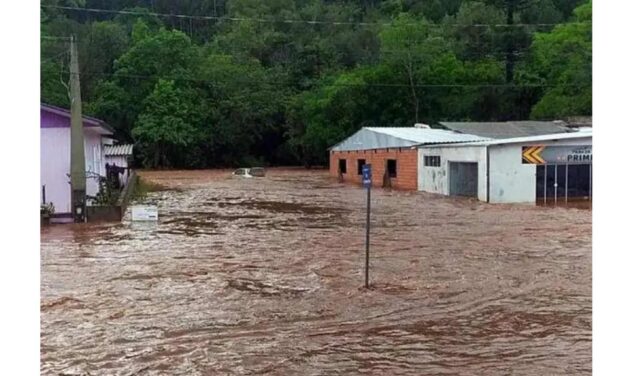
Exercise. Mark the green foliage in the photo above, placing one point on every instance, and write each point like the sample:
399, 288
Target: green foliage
564, 57
193, 93
107, 195
167, 125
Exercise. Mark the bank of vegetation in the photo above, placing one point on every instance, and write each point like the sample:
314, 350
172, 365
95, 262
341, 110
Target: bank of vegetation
208, 83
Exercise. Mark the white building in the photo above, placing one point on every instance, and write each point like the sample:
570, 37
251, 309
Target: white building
545, 168
55, 149
55, 157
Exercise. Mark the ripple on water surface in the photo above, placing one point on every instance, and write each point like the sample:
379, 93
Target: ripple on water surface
263, 276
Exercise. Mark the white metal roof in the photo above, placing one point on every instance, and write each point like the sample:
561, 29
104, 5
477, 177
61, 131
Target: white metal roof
582, 133
381, 138
118, 150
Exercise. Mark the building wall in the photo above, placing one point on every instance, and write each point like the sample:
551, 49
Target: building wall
94, 160
436, 179
406, 166
510, 180
55, 165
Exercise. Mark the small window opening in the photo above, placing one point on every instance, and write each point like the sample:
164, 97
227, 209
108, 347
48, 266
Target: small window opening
391, 168
432, 160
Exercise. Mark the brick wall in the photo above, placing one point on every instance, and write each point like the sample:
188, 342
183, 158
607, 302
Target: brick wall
406, 166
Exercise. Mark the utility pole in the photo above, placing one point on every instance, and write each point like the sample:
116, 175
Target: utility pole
366, 173
77, 146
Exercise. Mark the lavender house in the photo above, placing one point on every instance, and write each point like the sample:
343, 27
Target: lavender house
55, 157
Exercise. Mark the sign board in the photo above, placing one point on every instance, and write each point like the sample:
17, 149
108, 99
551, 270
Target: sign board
366, 175
144, 213
558, 154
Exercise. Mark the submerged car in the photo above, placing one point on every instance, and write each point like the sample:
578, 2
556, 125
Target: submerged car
258, 171
250, 172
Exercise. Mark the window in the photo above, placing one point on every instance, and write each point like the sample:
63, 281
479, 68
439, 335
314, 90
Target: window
391, 168
360, 165
432, 160
342, 166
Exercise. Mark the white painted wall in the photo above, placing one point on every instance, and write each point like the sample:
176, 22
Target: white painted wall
55, 165
511, 181
94, 160
436, 179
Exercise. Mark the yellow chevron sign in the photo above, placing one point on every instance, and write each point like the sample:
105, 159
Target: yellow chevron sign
532, 154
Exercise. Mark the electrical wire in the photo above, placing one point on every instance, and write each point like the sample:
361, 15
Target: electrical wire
276, 83
298, 21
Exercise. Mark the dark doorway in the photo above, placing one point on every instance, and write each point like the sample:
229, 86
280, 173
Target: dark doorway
463, 179
391, 168
360, 165
563, 184
342, 166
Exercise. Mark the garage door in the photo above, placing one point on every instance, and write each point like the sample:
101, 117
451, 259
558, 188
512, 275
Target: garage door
463, 179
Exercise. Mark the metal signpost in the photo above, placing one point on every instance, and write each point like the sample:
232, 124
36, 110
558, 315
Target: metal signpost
366, 173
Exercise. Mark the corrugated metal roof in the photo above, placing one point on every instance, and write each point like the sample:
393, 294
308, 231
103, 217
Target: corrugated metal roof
508, 129
118, 150
582, 133
381, 138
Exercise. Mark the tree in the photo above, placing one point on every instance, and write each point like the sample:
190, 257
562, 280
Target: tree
168, 55
167, 124
247, 102
104, 42
562, 59
407, 44
280, 81
473, 42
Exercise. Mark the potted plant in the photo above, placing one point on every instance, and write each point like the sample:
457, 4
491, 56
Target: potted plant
46, 211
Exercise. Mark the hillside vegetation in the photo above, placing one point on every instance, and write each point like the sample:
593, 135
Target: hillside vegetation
209, 83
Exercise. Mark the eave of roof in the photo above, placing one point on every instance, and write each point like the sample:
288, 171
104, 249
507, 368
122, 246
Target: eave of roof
583, 133
508, 129
423, 136
88, 119
400, 137
118, 150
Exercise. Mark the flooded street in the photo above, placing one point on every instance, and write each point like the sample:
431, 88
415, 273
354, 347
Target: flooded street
265, 275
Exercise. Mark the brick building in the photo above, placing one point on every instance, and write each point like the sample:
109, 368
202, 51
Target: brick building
392, 152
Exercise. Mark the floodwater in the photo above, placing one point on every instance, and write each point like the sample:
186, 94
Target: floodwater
265, 275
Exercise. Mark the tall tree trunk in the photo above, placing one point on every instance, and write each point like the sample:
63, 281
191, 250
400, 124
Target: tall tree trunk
410, 74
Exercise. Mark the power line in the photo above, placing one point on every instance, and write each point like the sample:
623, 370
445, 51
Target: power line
518, 52
297, 21
54, 38
275, 83
51, 58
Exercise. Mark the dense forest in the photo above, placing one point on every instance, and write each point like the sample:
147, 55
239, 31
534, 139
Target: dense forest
210, 83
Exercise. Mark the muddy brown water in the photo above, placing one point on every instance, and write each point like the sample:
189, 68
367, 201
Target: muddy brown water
263, 276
